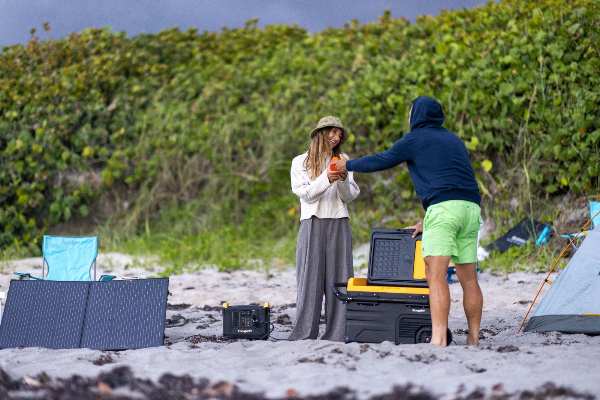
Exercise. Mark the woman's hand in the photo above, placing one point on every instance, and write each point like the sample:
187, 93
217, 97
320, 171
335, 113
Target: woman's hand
340, 165
332, 175
418, 227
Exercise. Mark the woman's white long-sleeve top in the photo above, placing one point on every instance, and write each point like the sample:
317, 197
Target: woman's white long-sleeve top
318, 196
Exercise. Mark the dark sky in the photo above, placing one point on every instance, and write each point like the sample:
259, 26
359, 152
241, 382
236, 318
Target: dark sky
17, 17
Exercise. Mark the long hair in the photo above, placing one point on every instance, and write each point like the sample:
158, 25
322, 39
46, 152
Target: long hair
319, 150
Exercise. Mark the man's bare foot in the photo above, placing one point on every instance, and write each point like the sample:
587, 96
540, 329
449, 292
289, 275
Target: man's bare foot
444, 344
471, 341
440, 340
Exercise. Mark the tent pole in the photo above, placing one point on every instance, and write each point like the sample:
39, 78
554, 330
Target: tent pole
552, 268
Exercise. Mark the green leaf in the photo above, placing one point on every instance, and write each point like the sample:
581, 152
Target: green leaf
87, 152
487, 165
83, 210
472, 144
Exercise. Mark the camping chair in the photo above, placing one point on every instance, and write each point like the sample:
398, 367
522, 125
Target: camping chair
594, 206
68, 259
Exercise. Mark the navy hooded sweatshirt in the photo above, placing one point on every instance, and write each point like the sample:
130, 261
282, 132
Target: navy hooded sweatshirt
438, 161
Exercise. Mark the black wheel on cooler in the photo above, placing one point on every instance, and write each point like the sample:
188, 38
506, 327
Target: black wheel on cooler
423, 335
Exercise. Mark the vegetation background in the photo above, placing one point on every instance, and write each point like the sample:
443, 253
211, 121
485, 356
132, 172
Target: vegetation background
179, 144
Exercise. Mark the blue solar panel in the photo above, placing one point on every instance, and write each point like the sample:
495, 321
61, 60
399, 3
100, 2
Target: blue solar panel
100, 315
126, 314
43, 314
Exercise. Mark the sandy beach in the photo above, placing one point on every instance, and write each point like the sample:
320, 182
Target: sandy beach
505, 363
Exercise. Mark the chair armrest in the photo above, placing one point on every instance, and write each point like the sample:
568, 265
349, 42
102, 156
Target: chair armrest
26, 275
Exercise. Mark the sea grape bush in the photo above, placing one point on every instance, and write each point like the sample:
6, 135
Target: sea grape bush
153, 120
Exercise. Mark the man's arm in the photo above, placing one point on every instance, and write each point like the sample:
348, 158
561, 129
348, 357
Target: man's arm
418, 227
399, 152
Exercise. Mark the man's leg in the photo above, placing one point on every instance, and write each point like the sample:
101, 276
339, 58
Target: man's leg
472, 299
439, 297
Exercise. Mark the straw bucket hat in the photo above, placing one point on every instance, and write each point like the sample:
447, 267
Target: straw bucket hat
329, 122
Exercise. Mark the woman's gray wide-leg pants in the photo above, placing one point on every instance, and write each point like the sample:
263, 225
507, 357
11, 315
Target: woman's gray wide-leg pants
323, 257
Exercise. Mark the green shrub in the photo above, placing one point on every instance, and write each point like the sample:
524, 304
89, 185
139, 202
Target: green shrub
106, 127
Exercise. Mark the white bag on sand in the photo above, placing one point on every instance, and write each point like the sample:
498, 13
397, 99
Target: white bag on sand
482, 253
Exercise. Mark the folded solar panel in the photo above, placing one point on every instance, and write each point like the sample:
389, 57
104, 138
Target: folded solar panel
43, 314
100, 315
125, 314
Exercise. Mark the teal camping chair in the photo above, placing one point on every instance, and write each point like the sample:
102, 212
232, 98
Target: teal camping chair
68, 259
595, 213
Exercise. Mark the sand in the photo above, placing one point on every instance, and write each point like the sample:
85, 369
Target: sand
505, 360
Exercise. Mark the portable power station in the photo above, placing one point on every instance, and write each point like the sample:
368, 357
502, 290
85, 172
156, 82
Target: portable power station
247, 321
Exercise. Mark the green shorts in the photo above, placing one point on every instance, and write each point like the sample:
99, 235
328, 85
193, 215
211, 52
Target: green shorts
451, 228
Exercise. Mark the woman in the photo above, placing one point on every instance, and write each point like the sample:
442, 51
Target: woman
324, 248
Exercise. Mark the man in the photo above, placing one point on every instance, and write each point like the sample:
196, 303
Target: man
439, 166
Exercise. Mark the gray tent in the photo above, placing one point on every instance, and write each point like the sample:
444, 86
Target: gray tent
572, 304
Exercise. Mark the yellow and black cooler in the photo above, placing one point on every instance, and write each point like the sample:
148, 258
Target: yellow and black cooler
392, 303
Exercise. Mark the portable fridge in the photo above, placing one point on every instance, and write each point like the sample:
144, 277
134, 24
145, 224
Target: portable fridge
395, 258
392, 303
